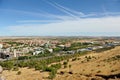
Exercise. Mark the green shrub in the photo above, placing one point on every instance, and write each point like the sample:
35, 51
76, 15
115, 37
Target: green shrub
74, 59
65, 63
38, 67
62, 72
57, 66
22, 64
15, 68
7, 65
52, 74
69, 66
49, 69
22, 57
98, 71
19, 72
65, 66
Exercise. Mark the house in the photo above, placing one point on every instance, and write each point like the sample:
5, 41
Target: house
95, 48
1, 46
70, 52
116, 43
50, 50
62, 46
100, 47
38, 51
83, 49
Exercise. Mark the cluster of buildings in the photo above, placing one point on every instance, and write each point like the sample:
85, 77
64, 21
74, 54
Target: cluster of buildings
93, 48
26, 47
35, 47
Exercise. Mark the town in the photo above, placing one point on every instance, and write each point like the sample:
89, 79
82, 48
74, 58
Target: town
14, 48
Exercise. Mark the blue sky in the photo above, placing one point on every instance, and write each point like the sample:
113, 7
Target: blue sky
59, 17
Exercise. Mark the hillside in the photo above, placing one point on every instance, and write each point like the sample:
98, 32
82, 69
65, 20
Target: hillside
93, 66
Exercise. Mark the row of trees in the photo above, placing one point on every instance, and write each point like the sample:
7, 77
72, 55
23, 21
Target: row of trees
35, 63
35, 56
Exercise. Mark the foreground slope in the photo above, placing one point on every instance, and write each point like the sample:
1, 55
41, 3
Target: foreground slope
93, 66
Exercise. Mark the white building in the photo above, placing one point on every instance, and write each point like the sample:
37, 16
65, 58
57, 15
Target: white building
1, 46
50, 50
37, 52
62, 46
15, 55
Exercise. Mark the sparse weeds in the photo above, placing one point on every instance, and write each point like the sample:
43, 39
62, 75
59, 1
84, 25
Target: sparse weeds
74, 59
19, 72
70, 72
98, 65
98, 71
113, 70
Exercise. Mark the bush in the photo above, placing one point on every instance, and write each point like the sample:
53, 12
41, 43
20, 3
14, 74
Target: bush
22, 57
38, 67
52, 74
7, 65
69, 66
57, 66
49, 69
65, 66
70, 72
67, 60
74, 59
31, 64
98, 71
61, 72
22, 64
19, 72
65, 63
15, 68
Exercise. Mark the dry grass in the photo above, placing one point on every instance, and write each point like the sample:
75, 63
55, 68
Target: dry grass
82, 68
26, 74
87, 69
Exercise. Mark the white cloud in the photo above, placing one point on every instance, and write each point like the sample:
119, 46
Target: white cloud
90, 25
39, 14
60, 8
40, 21
72, 23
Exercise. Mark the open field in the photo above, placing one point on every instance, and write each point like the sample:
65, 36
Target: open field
87, 67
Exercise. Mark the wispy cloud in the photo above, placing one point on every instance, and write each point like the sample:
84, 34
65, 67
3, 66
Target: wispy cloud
40, 21
38, 14
102, 25
62, 9
73, 14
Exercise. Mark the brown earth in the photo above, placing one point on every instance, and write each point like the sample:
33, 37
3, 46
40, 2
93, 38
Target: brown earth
103, 63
